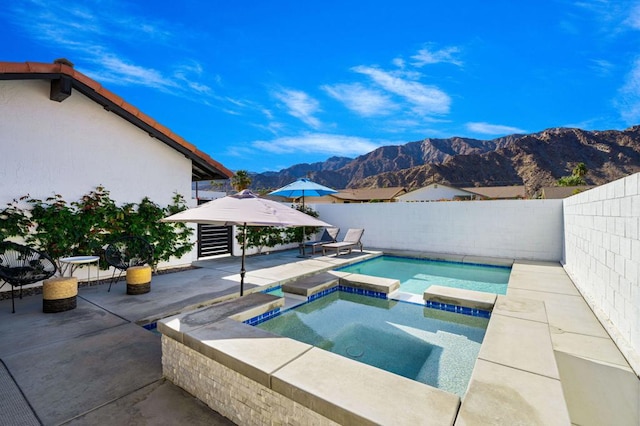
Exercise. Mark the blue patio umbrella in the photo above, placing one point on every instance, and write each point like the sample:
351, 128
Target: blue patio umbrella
301, 188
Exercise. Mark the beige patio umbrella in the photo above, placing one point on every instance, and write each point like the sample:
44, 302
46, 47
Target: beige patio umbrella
245, 209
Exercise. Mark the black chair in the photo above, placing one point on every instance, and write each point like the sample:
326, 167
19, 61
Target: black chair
125, 253
21, 265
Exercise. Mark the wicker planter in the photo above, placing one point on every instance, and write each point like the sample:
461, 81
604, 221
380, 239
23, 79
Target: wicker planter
59, 294
138, 279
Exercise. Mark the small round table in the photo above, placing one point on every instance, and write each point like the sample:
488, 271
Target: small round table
80, 260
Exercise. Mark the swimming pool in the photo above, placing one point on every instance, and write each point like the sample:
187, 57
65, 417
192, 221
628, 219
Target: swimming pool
416, 275
430, 346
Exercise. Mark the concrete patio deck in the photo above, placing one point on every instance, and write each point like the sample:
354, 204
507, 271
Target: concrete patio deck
97, 365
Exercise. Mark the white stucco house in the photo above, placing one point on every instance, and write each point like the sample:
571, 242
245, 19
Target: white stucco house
63, 133
442, 192
437, 192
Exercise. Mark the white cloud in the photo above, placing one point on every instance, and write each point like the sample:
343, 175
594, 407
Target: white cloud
188, 72
493, 129
300, 105
88, 31
398, 62
426, 57
425, 99
633, 20
610, 17
360, 99
602, 66
628, 100
116, 70
319, 143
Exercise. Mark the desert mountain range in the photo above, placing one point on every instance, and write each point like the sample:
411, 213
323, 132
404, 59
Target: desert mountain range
533, 160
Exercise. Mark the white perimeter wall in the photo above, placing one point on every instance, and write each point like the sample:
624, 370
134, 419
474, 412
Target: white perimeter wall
70, 147
514, 229
602, 256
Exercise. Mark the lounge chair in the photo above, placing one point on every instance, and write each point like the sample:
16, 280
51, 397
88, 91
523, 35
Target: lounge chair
351, 240
330, 235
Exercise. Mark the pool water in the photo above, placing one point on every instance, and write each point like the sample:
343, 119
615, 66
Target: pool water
276, 291
416, 275
431, 346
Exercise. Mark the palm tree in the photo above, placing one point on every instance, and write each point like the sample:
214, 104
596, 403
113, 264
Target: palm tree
580, 170
241, 180
576, 178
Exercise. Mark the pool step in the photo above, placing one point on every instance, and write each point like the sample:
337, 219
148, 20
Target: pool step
311, 285
370, 283
456, 296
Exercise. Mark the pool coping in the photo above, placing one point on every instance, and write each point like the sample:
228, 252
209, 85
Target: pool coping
527, 368
332, 386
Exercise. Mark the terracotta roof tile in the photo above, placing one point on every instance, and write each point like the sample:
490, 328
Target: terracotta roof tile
13, 67
147, 119
211, 160
191, 147
88, 82
203, 154
162, 129
37, 67
61, 68
111, 96
130, 108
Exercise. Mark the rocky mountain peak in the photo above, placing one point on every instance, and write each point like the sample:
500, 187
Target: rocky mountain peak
534, 160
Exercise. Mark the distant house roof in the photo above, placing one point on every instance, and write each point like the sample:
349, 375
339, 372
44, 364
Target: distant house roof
559, 192
64, 78
498, 192
437, 192
361, 195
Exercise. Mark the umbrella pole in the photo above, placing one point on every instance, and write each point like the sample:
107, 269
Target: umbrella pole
242, 270
302, 249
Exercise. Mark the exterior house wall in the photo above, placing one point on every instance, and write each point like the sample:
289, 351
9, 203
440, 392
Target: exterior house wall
602, 256
434, 192
515, 229
70, 147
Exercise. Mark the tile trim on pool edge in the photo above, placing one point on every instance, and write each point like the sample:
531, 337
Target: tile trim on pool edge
427, 304
263, 317
458, 309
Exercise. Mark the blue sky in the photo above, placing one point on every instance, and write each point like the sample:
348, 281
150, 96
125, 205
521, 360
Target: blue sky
263, 85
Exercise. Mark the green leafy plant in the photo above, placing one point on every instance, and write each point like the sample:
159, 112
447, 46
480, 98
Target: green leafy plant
13, 221
294, 235
168, 239
271, 236
262, 236
86, 226
56, 229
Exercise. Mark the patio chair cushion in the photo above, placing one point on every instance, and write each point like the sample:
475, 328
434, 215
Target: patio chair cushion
350, 240
329, 235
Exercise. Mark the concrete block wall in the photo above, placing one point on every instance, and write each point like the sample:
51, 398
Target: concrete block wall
602, 256
238, 398
512, 229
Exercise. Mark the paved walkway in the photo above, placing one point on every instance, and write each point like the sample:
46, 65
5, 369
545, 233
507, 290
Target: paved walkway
96, 365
